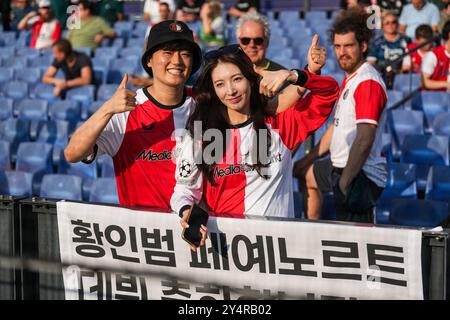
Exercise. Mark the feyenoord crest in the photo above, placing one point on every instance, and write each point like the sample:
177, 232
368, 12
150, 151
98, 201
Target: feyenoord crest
185, 169
175, 27
345, 94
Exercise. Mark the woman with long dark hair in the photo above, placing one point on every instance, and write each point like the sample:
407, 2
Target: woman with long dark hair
236, 157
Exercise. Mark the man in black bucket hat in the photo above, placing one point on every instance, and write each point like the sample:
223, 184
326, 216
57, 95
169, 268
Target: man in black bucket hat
136, 128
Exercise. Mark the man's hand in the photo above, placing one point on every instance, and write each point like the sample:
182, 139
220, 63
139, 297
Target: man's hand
123, 99
60, 85
317, 56
31, 15
273, 81
203, 230
98, 38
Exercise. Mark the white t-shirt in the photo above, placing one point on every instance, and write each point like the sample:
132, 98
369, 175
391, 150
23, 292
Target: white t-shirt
362, 100
152, 8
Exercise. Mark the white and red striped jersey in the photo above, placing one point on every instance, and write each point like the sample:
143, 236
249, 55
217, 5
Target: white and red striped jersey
141, 145
44, 34
362, 100
239, 188
436, 64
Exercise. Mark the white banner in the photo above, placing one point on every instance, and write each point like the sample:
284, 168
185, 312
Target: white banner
243, 258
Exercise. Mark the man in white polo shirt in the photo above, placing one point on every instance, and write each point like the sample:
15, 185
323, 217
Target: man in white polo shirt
355, 170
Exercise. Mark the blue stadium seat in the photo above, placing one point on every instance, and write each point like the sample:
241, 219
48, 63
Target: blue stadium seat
67, 110
42, 63
400, 123
6, 108
118, 43
16, 62
287, 18
402, 82
130, 51
32, 109
441, 124
86, 51
438, 184
109, 53
105, 91
7, 38
15, 89
393, 97
44, 91
123, 28
431, 103
36, 158
138, 41
418, 213
316, 17
100, 66
5, 156
27, 52
94, 107
425, 151
118, 69
401, 183
104, 190
61, 186
6, 52
106, 166
31, 75
16, 183
88, 172
15, 131
6, 74
84, 95
56, 133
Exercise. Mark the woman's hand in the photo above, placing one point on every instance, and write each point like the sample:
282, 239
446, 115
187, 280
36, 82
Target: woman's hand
273, 81
203, 230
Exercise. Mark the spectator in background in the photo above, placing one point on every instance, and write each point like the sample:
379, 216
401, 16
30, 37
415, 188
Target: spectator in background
111, 11
413, 62
45, 29
392, 6
388, 47
241, 7
92, 31
445, 16
144, 80
356, 171
5, 10
19, 10
436, 64
253, 34
188, 11
152, 10
416, 13
212, 32
76, 66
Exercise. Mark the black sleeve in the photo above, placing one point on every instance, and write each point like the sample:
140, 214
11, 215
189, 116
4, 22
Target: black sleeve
56, 64
84, 61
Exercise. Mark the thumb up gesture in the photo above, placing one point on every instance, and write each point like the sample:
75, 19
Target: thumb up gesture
123, 99
317, 55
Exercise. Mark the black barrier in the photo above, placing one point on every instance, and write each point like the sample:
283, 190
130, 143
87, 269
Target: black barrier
39, 241
9, 246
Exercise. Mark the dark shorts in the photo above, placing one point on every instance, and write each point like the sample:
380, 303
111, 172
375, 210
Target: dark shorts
358, 204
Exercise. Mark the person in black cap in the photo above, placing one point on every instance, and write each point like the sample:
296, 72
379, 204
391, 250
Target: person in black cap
135, 128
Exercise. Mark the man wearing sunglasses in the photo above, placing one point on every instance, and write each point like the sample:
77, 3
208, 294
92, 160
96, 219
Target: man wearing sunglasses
253, 34
388, 47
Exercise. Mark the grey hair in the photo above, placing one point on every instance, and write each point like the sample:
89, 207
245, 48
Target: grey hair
256, 17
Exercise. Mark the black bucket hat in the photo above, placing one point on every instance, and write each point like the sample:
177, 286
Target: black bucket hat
168, 31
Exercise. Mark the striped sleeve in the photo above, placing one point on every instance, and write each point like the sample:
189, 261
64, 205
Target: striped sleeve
370, 101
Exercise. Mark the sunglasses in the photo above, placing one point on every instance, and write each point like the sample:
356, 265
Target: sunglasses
216, 54
257, 41
391, 22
